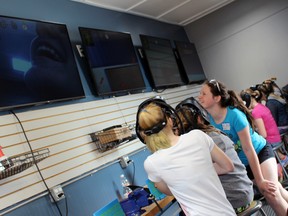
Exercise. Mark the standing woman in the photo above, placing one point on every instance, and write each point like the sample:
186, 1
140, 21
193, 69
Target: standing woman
229, 114
182, 166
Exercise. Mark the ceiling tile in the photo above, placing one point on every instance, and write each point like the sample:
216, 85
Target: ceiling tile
180, 12
112, 4
193, 10
156, 8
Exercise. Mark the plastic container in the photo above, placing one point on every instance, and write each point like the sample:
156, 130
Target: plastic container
130, 207
125, 185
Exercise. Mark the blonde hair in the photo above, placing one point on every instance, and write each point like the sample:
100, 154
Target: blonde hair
150, 116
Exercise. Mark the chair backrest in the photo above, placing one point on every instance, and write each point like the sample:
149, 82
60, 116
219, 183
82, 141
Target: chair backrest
154, 191
255, 206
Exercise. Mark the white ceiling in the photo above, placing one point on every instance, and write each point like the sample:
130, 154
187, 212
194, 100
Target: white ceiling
180, 12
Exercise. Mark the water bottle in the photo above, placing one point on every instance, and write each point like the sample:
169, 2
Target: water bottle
125, 183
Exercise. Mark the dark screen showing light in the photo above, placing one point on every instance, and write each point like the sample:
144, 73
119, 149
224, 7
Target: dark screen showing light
161, 60
112, 60
190, 61
37, 63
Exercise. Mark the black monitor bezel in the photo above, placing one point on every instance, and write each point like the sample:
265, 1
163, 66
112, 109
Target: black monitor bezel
96, 89
81, 94
142, 51
183, 66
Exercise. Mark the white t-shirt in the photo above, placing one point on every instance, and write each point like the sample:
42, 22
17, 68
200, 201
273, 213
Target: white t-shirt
188, 171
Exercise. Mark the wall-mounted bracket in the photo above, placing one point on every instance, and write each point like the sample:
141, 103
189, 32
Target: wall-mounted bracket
80, 50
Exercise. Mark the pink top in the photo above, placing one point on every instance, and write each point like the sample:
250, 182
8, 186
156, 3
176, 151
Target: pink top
261, 111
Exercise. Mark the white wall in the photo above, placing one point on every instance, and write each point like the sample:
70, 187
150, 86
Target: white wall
244, 43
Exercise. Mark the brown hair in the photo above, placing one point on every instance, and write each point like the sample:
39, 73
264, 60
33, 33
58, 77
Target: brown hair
193, 119
267, 87
229, 98
256, 94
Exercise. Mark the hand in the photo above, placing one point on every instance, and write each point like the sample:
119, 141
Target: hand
267, 188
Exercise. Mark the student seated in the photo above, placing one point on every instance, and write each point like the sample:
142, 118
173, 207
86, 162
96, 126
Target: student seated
228, 113
183, 166
264, 121
275, 101
285, 92
237, 186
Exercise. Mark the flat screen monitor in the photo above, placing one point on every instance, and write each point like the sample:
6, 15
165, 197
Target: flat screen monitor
112, 61
161, 61
37, 64
189, 61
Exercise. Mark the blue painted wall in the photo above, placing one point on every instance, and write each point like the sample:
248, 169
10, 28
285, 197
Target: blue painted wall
87, 195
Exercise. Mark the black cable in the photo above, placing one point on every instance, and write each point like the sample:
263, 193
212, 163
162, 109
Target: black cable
154, 200
160, 91
133, 176
30, 147
120, 110
66, 204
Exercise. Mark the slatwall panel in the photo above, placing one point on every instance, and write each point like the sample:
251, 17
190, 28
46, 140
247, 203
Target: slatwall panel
65, 131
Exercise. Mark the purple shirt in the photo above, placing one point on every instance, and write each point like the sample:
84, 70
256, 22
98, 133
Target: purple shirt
261, 111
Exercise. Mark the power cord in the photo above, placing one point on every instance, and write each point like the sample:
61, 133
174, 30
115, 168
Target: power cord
160, 91
133, 175
120, 110
66, 204
38, 169
155, 201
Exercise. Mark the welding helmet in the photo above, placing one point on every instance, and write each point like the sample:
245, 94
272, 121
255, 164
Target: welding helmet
195, 109
246, 97
167, 110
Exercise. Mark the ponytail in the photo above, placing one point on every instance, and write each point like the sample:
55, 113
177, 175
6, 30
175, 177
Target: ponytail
157, 141
230, 98
238, 103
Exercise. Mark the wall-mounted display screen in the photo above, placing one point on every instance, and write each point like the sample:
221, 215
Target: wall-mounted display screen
37, 63
189, 61
112, 61
161, 61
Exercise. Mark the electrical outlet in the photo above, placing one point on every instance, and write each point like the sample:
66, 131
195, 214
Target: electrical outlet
57, 193
124, 161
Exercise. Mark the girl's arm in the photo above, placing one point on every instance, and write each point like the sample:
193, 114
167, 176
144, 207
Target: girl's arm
162, 186
222, 163
261, 127
264, 186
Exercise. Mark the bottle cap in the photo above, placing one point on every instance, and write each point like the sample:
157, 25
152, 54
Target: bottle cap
1, 152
